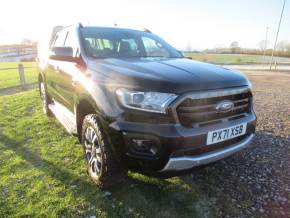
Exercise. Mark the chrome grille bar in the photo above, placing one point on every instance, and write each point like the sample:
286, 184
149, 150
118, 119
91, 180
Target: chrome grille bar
199, 107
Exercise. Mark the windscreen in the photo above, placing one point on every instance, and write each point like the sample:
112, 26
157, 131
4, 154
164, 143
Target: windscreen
121, 43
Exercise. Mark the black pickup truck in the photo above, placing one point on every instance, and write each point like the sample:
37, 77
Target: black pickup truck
137, 103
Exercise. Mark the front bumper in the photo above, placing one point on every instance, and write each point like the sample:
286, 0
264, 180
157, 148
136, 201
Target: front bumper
187, 162
179, 148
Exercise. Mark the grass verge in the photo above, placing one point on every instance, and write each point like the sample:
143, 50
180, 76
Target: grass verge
235, 58
43, 174
10, 77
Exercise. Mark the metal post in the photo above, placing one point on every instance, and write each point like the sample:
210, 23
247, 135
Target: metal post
22, 76
277, 34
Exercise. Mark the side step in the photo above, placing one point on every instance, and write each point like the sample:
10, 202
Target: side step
64, 116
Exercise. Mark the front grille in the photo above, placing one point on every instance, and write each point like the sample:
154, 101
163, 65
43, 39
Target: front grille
202, 111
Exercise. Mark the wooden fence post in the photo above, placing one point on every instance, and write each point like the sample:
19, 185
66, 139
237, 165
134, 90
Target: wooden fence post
22, 76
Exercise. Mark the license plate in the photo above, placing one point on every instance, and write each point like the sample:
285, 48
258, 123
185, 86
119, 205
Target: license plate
221, 135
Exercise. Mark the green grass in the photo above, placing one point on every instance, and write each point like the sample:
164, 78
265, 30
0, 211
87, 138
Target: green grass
235, 58
10, 78
43, 174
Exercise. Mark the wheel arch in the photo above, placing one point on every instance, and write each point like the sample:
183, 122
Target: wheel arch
41, 78
83, 107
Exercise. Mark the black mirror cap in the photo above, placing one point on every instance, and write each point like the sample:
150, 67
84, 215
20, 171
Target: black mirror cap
181, 53
184, 55
62, 54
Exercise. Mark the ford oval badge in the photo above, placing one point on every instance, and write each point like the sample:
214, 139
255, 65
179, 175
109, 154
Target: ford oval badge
224, 106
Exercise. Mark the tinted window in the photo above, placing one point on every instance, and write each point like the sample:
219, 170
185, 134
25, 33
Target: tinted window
106, 47
114, 43
154, 48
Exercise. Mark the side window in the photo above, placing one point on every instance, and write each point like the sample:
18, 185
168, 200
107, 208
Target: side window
107, 44
71, 41
99, 47
154, 48
128, 47
60, 38
132, 43
99, 44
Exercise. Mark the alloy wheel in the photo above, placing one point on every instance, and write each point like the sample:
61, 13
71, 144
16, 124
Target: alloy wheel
93, 153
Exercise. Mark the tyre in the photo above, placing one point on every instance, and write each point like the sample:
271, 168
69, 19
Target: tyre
45, 100
101, 165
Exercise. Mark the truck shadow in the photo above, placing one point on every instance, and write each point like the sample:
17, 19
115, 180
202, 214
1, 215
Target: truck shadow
132, 197
214, 186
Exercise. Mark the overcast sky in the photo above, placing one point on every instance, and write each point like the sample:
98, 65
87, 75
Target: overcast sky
202, 23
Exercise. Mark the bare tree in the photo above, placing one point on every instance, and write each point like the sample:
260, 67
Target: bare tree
219, 48
283, 46
189, 47
234, 47
263, 44
288, 47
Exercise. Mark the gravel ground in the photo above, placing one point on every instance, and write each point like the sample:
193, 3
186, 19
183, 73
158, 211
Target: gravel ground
256, 181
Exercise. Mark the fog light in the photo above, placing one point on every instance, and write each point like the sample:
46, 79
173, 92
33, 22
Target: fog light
145, 146
153, 150
142, 144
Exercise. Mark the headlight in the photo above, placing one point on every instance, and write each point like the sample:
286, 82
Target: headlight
146, 101
250, 85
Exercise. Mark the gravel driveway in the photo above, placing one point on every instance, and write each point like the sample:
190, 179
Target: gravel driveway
256, 181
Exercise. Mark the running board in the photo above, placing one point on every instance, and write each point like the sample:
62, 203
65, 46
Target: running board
64, 116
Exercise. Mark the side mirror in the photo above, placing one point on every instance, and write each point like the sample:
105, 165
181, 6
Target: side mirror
181, 53
62, 54
184, 55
